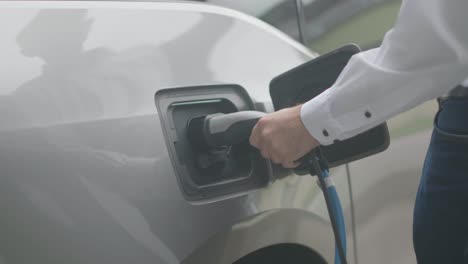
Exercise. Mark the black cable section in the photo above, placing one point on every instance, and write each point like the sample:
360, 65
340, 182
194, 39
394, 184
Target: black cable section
326, 195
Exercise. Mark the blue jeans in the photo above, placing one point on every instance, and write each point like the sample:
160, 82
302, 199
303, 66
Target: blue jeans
440, 227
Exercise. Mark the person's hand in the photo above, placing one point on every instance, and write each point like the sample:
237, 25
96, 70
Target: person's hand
282, 137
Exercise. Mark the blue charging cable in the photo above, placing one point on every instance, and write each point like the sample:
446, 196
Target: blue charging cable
317, 165
338, 212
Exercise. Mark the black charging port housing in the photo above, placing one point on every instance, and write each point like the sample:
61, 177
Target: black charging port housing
203, 172
209, 165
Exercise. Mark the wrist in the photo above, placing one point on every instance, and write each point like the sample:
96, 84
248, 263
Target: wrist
316, 118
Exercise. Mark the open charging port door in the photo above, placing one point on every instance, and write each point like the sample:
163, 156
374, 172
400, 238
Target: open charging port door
308, 80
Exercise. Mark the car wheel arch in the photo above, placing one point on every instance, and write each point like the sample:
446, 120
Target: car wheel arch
271, 233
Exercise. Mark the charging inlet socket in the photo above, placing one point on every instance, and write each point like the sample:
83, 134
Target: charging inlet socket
208, 173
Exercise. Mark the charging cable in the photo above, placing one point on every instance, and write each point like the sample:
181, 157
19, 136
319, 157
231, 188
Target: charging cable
317, 164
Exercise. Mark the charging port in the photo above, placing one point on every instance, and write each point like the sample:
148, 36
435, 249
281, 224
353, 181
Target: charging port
206, 172
207, 165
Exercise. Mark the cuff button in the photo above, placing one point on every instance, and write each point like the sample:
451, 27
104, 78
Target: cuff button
325, 133
368, 114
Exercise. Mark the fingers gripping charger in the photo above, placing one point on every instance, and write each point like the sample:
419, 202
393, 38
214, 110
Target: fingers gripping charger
291, 88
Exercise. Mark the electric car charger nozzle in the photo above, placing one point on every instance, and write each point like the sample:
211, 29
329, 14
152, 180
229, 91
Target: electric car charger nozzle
211, 131
195, 132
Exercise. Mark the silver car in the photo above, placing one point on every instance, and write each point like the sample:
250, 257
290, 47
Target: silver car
88, 172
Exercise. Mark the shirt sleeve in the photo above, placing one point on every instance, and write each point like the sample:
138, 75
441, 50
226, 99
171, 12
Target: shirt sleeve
424, 56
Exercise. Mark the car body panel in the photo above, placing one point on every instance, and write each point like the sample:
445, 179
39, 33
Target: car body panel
290, 226
86, 176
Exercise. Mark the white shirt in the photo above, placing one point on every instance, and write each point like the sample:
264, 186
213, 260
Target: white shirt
424, 56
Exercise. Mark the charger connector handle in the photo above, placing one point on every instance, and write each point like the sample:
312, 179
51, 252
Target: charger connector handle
305, 166
230, 129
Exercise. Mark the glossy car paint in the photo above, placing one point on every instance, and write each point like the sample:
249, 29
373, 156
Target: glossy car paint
86, 176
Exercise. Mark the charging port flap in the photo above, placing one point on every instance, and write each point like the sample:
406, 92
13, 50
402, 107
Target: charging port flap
207, 173
308, 80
